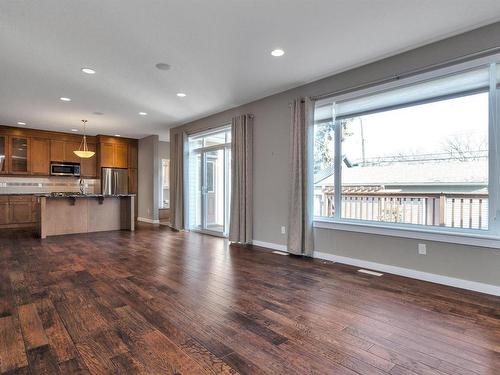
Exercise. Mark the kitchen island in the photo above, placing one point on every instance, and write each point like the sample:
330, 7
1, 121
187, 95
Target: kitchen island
84, 213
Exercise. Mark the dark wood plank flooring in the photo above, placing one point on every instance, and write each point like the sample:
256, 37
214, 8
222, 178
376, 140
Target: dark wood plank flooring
159, 302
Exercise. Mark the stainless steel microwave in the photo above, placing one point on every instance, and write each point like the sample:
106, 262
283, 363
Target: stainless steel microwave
65, 169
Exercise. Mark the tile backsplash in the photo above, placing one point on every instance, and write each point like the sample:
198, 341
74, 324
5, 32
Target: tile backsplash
30, 185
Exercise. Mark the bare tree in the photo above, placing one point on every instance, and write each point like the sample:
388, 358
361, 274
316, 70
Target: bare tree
324, 143
463, 148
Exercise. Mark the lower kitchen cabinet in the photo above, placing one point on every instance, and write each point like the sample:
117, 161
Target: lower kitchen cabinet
4, 210
17, 211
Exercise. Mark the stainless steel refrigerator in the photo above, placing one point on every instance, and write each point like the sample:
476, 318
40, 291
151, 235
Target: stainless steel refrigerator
114, 181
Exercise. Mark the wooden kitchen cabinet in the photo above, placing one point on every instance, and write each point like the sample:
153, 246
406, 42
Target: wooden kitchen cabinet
107, 155
132, 181
17, 211
113, 154
30, 151
56, 150
133, 156
40, 156
69, 155
4, 210
121, 155
20, 212
62, 151
19, 158
21, 208
4, 145
89, 166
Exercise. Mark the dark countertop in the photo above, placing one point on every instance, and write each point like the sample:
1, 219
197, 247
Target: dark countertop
48, 195
3, 194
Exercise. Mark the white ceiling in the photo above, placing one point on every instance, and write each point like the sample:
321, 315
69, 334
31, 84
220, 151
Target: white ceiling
219, 51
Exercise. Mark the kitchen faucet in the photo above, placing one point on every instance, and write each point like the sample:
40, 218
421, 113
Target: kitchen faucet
82, 186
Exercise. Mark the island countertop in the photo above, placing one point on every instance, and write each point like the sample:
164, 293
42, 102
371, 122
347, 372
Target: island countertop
84, 213
78, 195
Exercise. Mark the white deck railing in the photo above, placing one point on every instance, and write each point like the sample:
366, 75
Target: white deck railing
450, 210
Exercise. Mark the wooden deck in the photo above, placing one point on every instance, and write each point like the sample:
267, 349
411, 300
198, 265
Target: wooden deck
158, 302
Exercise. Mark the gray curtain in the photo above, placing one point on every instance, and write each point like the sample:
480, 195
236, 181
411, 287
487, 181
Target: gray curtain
177, 181
240, 224
300, 216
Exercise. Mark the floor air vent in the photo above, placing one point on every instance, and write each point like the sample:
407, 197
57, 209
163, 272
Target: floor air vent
279, 252
370, 272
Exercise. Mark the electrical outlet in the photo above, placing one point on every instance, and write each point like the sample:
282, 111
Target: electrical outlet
283, 229
422, 249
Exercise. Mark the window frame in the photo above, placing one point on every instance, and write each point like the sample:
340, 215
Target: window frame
477, 237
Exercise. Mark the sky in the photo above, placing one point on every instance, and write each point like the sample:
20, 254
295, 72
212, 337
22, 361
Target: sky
420, 129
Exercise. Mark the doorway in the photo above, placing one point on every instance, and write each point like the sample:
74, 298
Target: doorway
209, 164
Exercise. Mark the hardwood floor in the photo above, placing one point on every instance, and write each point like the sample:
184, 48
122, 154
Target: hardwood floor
159, 302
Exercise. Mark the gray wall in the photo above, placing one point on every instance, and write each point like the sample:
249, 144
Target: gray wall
164, 150
271, 143
148, 178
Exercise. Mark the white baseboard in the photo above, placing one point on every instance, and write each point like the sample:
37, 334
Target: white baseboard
270, 245
146, 220
414, 274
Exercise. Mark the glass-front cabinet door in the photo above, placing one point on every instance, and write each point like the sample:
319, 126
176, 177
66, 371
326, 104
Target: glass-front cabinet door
19, 154
3, 154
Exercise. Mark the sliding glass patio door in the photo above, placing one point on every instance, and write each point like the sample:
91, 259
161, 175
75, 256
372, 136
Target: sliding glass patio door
208, 182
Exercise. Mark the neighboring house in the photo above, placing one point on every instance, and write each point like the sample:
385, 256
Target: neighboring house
448, 192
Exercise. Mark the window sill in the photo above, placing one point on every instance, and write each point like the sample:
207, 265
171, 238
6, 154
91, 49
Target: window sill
429, 234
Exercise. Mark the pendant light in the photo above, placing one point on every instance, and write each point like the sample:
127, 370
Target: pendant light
83, 151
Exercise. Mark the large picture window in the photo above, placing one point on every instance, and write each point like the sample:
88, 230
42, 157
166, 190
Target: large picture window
418, 154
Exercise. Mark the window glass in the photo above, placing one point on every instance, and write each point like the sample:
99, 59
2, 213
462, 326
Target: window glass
424, 163
324, 151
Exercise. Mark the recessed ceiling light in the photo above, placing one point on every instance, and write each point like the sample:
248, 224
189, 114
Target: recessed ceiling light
181, 95
88, 71
277, 52
65, 99
143, 113
21, 123
162, 66
74, 130
117, 135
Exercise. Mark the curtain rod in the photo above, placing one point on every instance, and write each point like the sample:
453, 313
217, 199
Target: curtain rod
395, 77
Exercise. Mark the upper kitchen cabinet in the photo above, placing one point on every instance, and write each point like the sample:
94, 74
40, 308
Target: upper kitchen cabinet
29, 151
89, 166
56, 150
69, 155
132, 155
106, 154
19, 154
121, 155
61, 150
115, 152
40, 156
4, 144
